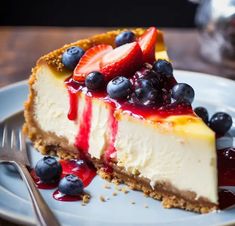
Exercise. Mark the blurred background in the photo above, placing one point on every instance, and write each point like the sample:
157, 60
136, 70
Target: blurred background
199, 34
163, 13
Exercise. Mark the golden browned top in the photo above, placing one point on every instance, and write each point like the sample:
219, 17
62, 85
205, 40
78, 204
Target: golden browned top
54, 58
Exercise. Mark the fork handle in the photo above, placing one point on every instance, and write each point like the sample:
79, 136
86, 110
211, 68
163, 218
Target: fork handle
44, 215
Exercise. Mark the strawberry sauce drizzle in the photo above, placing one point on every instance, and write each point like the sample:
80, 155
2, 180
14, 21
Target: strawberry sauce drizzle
73, 88
73, 110
160, 113
82, 139
113, 127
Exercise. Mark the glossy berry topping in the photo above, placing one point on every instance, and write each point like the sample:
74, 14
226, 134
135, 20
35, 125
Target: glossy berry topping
221, 122
95, 81
124, 60
124, 37
147, 42
71, 57
202, 113
71, 185
90, 61
48, 169
183, 93
163, 67
147, 93
119, 88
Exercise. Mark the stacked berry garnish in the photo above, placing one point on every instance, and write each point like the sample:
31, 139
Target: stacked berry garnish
220, 122
130, 73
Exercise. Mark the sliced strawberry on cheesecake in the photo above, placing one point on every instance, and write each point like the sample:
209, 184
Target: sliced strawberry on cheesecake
147, 42
90, 61
124, 60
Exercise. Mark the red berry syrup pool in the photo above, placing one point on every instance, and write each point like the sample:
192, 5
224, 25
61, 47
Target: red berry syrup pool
226, 166
39, 184
226, 176
80, 168
226, 198
57, 195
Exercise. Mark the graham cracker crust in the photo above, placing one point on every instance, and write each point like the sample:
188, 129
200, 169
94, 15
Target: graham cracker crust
49, 143
163, 191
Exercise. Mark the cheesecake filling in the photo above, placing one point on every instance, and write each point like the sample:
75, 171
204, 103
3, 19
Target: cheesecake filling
157, 152
164, 156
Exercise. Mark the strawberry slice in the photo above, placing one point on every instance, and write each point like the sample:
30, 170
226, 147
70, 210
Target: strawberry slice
90, 61
123, 60
147, 43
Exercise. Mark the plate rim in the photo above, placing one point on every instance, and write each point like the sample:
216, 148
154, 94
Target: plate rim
20, 218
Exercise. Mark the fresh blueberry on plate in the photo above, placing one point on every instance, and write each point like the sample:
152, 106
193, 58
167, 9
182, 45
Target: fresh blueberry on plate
48, 169
71, 185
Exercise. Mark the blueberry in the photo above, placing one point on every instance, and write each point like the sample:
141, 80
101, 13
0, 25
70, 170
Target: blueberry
71, 185
154, 78
182, 93
145, 84
95, 81
48, 169
221, 122
202, 113
163, 67
148, 74
124, 37
146, 94
71, 57
119, 88
153, 98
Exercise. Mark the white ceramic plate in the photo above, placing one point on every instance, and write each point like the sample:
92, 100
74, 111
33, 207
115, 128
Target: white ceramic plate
217, 94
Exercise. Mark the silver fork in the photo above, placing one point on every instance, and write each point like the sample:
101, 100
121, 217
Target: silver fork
13, 150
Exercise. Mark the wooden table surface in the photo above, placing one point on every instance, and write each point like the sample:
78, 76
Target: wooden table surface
20, 47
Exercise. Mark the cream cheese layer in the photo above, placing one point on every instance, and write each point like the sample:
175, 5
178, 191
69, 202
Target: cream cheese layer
159, 153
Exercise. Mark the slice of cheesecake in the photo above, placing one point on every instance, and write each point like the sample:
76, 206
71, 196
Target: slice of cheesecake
147, 141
